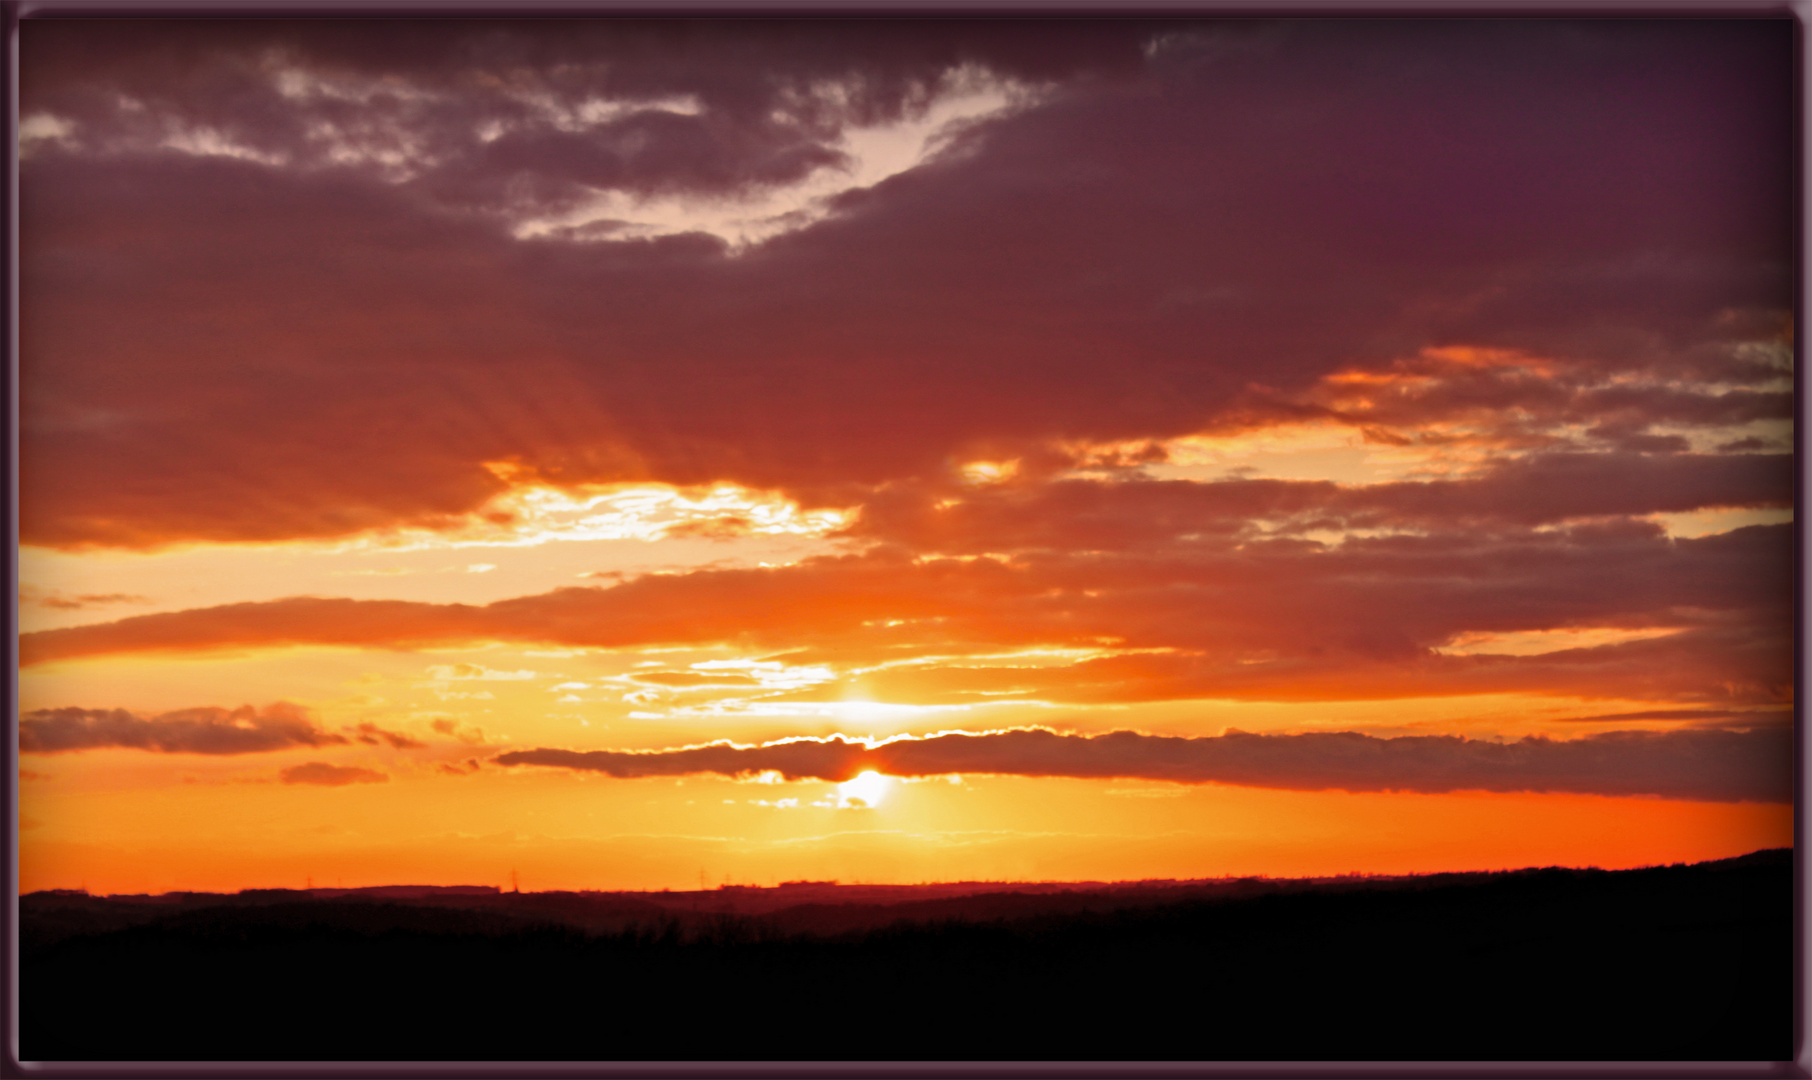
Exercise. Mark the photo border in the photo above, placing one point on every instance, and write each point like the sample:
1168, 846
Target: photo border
16, 12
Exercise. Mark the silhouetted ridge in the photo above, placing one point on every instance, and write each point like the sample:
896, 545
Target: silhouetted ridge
1680, 962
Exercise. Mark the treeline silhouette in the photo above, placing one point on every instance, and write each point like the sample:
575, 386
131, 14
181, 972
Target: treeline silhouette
1667, 963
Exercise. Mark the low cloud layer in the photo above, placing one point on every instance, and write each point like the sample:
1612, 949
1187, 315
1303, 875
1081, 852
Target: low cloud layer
1705, 765
244, 730
1242, 616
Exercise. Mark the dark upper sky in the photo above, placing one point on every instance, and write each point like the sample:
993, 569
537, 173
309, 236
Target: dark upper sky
279, 282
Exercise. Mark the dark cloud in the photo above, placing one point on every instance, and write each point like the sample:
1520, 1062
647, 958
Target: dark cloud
1510, 399
319, 772
309, 345
1097, 515
244, 730
1719, 766
497, 113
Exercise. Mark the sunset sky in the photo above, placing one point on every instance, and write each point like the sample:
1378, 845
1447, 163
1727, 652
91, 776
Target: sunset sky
637, 454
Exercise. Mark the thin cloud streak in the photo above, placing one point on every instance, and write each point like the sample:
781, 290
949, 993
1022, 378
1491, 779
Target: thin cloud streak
325, 775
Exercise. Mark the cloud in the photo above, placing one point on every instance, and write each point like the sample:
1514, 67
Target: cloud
1684, 714
207, 730
470, 734
371, 735
1710, 765
477, 671
1724, 666
313, 619
319, 772
57, 600
1155, 231
498, 113
1120, 514
1259, 617
1511, 399
728, 527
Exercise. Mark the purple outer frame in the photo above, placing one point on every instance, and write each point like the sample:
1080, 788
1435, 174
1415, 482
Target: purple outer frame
15, 11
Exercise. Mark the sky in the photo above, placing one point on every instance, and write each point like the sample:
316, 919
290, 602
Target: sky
637, 454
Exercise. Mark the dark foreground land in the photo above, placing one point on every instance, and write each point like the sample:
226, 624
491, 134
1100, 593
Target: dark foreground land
1680, 963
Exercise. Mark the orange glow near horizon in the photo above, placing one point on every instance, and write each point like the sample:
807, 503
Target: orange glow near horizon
574, 832
410, 792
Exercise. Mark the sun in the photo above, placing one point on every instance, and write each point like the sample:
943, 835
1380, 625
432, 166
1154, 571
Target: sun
867, 789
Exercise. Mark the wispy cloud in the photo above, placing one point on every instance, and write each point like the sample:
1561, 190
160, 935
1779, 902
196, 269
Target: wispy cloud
325, 775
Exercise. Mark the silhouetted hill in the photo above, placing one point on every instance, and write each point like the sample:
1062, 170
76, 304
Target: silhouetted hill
1682, 962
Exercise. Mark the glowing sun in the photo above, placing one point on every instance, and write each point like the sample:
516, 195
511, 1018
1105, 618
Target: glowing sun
867, 789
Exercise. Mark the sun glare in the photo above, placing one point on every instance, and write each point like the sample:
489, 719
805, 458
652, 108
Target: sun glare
867, 789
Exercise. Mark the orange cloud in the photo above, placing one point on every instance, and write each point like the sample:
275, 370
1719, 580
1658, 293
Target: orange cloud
321, 773
1260, 618
1729, 666
372, 735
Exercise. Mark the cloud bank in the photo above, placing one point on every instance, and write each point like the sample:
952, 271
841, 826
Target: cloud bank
1717, 766
244, 730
